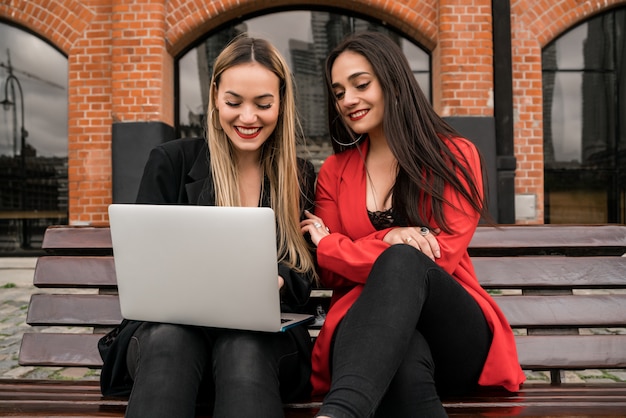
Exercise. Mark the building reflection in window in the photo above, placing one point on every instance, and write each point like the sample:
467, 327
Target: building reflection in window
584, 135
33, 139
304, 38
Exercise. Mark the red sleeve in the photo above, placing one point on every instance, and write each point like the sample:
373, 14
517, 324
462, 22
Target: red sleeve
346, 258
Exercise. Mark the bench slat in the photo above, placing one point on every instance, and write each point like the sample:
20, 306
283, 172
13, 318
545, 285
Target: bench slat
546, 236
582, 311
77, 309
493, 272
74, 271
60, 349
80, 239
63, 398
540, 353
540, 272
572, 351
511, 236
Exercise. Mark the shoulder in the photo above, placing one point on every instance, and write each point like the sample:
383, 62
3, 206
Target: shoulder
183, 151
184, 145
463, 149
339, 161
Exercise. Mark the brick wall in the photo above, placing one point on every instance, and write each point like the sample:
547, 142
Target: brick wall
121, 58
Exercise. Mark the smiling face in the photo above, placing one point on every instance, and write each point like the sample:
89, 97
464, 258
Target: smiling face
248, 102
358, 94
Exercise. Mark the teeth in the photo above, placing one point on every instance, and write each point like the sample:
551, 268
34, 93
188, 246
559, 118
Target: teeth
358, 114
247, 131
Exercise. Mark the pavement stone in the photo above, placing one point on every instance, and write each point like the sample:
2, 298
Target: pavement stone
16, 287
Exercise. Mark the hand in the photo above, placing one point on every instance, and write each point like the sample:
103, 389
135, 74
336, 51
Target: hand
314, 225
281, 282
421, 238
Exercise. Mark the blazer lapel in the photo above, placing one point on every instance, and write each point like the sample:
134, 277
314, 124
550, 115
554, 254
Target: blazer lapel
352, 194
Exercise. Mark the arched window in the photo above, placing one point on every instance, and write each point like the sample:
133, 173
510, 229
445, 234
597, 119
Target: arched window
584, 88
304, 38
33, 139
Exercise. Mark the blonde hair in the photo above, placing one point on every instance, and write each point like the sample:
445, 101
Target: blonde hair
278, 153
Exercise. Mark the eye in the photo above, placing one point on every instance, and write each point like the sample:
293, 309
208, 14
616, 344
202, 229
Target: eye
339, 95
265, 106
232, 104
363, 86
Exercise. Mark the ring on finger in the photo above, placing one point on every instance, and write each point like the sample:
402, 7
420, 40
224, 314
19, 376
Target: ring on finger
424, 231
408, 240
317, 225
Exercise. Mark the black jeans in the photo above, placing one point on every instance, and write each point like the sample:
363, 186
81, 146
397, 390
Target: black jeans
414, 334
243, 374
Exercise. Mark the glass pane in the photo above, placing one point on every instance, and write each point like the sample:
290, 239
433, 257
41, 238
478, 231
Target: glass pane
577, 196
304, 38
589, 46
563, 108
580, 119
42, 74
33, 139
583, 128
569, 49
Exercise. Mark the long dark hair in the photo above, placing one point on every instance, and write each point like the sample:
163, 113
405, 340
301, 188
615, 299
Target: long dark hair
414, 131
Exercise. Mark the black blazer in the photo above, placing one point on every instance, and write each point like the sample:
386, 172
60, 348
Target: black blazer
178, 172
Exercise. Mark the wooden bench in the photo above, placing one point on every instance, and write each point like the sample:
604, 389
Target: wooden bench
563, 288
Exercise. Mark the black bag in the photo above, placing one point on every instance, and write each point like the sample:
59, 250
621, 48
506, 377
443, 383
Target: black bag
114, 379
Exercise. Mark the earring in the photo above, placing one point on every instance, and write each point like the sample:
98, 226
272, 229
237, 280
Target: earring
348, 144
218, 127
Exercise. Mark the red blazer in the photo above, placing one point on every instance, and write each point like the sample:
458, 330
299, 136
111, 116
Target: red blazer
346, 256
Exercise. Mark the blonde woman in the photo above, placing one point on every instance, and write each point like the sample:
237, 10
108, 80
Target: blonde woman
247, 159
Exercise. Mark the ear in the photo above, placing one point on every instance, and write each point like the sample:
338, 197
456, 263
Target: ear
214, 93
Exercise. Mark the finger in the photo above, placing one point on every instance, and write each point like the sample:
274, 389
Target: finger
424, 246
310, 216
434, 245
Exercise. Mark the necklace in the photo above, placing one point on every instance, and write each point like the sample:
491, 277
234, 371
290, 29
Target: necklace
376, 199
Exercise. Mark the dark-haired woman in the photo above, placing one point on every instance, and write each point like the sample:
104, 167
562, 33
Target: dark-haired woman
396, 207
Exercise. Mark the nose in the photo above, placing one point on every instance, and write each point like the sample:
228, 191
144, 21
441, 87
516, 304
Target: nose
350, 98
248, 114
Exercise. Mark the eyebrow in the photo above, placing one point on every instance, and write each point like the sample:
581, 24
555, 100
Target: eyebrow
262, 96
351, 77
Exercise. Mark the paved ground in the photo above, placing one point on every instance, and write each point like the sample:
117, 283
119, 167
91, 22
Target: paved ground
16, 278
16, 286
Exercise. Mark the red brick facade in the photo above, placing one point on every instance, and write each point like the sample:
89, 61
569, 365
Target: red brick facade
121, 61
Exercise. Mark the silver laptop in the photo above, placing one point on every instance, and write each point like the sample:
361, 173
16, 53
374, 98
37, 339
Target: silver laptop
198, 265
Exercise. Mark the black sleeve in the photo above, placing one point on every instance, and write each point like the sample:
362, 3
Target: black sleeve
295, 293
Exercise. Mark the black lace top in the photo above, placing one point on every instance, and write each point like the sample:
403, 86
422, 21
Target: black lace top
385, 219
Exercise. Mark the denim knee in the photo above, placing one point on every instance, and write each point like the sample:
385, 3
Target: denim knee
243, 355
165, 344
403, 255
